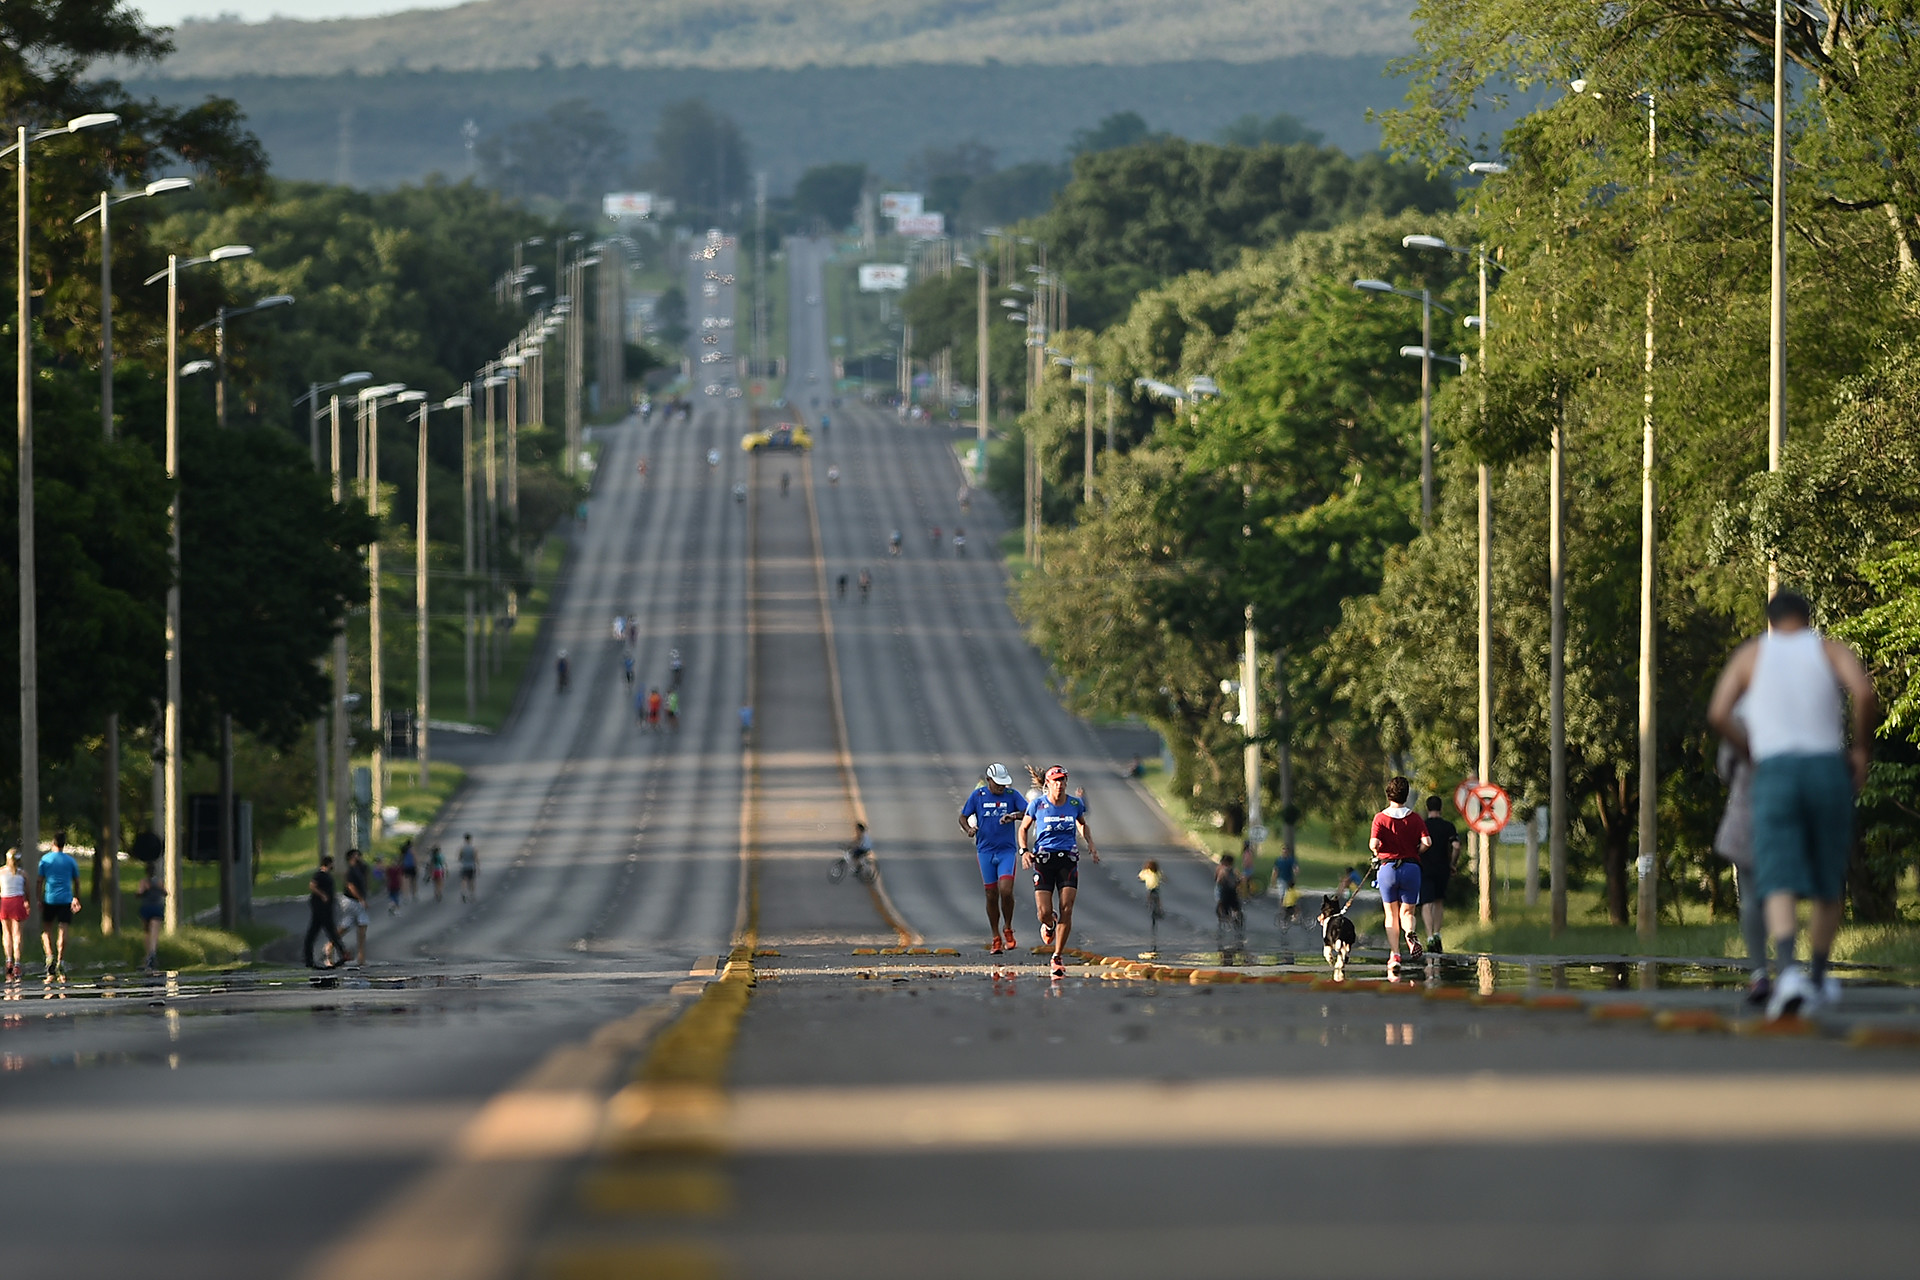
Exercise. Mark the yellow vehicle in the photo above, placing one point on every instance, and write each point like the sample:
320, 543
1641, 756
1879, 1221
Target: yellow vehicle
783, 435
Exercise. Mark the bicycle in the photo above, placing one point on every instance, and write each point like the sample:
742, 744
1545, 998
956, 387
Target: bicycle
862, 867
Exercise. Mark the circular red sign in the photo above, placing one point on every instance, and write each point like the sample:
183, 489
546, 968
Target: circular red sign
1487, 809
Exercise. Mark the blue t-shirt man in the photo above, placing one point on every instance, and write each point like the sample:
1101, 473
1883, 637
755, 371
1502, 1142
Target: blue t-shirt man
996, 832
58, 875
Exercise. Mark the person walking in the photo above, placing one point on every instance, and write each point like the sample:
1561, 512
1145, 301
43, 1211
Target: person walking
866, 585
353, 907
1049, 844
1399, 838
410, 869
1436, 870
673, 710
991, 815
13, 909
1286, 869
437, 871
653, 709
469, 870
59, 902
626, 669
321, 900
152, 896
391, 873
1781, 702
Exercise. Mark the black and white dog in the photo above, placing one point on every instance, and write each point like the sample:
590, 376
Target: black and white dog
1337, 934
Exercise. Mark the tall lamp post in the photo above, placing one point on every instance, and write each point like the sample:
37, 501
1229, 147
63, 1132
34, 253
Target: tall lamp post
170, 837
219, 326
106, 858
1425, 298
29, 614
370, 401
1648, 899
422, 701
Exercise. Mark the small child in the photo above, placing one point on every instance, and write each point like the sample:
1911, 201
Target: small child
1290, 905
1150, 877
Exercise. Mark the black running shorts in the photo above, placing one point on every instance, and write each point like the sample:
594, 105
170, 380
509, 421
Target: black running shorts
1057, 872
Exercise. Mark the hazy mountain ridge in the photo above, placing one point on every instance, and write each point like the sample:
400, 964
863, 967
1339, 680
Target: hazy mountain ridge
743, 34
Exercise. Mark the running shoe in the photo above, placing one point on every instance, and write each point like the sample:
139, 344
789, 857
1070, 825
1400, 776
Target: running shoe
1414, 949
1830, 990
1006, 939
1393, 959
1046, 935
993, 945
1759, 989
1433, 945
1793, 995
1059, 966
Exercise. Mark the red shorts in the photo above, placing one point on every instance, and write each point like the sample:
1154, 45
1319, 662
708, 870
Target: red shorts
13, 908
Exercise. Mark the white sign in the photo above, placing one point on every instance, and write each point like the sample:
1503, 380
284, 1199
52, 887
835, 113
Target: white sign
879, 277
921, 226
901, 204
627, 204
1257, 835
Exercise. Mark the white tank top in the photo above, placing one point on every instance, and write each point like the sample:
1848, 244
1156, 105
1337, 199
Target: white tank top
1793, 706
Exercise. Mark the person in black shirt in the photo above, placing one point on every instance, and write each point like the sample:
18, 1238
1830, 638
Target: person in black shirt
1436, 866
320, 912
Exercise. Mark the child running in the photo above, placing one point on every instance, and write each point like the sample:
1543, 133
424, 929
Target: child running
1150, 877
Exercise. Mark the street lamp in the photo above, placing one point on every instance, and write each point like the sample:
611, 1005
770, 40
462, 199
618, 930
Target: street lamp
170, 839
370, 399
1425, 298
1084, 373
1646, 867
421, 700
219, 326
29, 591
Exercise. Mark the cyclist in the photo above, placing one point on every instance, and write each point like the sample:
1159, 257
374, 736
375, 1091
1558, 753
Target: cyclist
833, 472
964, 498
860, 850
673, 666
713, 457
991, 815
560, 671
1049, 844
619, 626
893, 543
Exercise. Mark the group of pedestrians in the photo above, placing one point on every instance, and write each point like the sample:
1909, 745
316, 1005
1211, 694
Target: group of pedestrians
336, 906
1041, 834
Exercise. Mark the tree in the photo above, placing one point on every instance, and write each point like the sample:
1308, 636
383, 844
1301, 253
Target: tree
1281, 130
699, 159
569, 154
830, 193
1121, 129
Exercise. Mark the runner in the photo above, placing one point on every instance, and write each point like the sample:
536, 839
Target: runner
673, 710
843, 586
960, 543
673, 668
410, 869
653, 709
437, 871
469, 869
1436, 869
626, 669
560, 670
833, 473
866, 585
320, 904
619, 626
1227, 912
1049, 843
13, 909
1399, 837
1781, 702
59, 902
991, 815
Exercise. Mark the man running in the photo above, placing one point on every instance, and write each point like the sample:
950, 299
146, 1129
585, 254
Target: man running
1781, 702
1436, 870
991, 815
1399, 837
320, 896
59, 902
1049, 843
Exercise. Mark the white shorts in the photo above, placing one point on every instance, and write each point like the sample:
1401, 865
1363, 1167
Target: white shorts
353, 914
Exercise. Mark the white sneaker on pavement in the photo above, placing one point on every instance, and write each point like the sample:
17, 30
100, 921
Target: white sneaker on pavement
1830, 989
1794, 994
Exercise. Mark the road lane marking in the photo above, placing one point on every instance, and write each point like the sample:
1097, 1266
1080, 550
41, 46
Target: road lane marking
1295, 1111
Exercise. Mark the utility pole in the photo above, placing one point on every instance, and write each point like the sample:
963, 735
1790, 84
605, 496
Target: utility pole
1485, 851
342, 759
1250, 721
170, 834
982, 345
1648, 864
376, 697
106, 859
466, 542
760, 275
421, 617
1087, 488
1426, 411
1777, 310
29, 593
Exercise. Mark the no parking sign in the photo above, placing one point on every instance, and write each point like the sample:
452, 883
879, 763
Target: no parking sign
1485, 807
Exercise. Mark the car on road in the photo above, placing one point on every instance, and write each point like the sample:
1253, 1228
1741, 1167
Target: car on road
714, 357
782, 435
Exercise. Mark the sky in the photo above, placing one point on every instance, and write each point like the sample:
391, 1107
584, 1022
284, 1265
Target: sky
169, 12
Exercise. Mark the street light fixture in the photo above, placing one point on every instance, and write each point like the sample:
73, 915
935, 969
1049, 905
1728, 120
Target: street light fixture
170, 841
219, 326
370, 399
1425, 298
29, 591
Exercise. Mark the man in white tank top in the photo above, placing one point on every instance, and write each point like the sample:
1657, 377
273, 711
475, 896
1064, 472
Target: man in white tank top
1782, 702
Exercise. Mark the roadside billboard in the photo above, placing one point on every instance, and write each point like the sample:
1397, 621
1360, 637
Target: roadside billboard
921, 226
900, 204
880, 277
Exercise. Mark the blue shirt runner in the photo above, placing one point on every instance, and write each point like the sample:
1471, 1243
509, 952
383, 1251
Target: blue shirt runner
1055, 827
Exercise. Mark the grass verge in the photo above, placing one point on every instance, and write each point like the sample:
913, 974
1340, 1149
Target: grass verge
496, 692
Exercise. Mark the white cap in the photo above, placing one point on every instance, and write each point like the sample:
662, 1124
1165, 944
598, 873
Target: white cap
997, 772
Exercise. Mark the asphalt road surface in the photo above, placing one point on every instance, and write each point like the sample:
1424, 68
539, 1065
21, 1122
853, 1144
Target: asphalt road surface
477, 1100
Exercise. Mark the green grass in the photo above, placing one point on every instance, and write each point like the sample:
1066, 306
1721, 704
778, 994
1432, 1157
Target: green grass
449, 655
192, 949
286, 864
1321, 864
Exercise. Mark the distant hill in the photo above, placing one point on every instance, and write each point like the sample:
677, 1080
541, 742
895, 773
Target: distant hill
492, 35
380, 131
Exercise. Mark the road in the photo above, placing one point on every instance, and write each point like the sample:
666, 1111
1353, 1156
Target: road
467, 1105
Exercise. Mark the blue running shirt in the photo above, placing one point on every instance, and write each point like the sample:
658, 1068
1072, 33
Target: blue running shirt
987, 809
58, 872
1054, 826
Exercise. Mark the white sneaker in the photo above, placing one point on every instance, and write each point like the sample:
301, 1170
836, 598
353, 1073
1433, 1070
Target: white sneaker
1794, 994
1830, 989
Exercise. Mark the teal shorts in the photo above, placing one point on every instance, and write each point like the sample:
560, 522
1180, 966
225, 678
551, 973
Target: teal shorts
1802, 825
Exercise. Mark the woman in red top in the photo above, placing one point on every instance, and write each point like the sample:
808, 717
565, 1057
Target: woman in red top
1398, 837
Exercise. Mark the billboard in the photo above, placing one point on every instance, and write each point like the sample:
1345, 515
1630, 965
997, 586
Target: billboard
921, 226
627, 204
879, 277
900, 204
